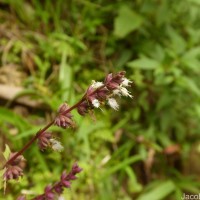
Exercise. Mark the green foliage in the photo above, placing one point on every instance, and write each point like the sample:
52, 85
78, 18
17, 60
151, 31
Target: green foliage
149, 149
4, 157
126, 22
161, 191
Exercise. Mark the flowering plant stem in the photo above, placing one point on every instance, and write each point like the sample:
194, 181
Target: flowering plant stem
45, 128
97, 94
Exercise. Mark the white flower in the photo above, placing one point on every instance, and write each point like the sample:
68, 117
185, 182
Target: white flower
96, 103
126, 82
96, 85
117, 92
61, 198
125, 92
56, 145
113, 103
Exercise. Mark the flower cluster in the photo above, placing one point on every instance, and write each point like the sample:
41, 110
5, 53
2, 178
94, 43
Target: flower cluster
100, 92
46, 140
15, 169
51, 192
64, 118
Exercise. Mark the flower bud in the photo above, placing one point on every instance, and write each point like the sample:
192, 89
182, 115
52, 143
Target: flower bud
15, 169
63, 119
83, 108
44, 140
113, 82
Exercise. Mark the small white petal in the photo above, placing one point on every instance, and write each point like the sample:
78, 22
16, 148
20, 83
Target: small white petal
113, 103
126, 82
125, 92
96, 103
105, 159
56, 145
117, 92
61, 198
96, 85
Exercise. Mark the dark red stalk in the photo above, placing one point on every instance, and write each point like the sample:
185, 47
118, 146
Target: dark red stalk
44, 129
43, 195
29, 143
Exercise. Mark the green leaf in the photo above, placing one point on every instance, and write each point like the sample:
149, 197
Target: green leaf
189, 185
11, 117
123, 164
104, 134
7, 151
177, 42
134, 185
144, 63
1, 178
195, 2
190, 84
160, 192
3, 158
122, 150
178, 194
126, 22
28, 132
191, 59
65, 77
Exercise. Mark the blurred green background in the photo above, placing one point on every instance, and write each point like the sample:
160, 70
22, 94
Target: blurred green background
49, 53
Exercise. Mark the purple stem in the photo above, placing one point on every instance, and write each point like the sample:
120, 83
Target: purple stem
46, 127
